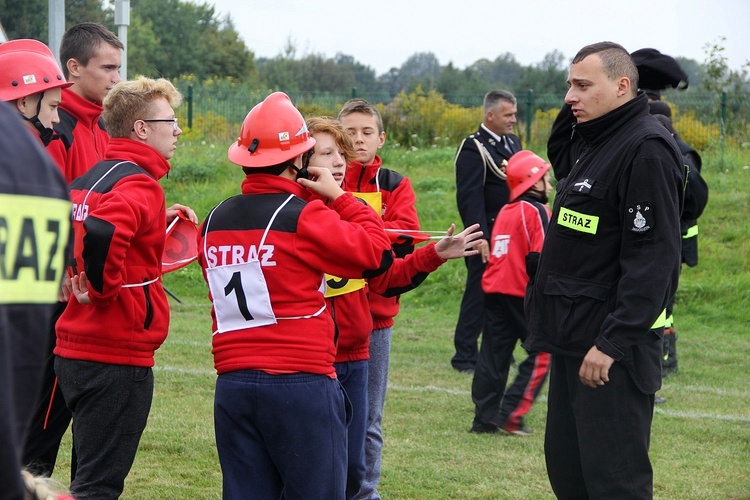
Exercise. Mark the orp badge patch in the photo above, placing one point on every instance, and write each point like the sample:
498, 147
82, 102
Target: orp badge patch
640, 217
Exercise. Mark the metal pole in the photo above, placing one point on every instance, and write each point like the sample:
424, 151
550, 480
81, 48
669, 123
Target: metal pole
56, 14
190, 105
723, 127
122, 21
529, 112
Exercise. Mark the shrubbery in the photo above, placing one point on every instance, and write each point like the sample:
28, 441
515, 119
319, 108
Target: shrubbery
420, 119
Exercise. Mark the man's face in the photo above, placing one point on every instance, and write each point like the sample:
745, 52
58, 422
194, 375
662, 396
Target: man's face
48, 112
162, 135
96, 79
591, 93
48, 115
363, 129
501, 118
328, 155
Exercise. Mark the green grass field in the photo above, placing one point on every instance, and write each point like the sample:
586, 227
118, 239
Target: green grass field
701, 436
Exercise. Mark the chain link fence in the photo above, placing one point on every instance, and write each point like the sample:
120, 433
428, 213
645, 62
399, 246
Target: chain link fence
215, 112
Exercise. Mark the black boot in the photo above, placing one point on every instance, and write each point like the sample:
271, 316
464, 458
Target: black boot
669, 363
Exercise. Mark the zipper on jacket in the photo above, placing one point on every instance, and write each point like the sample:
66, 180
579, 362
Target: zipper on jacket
149, 307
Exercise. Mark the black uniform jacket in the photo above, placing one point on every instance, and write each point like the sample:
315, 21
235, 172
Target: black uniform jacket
480, 194
696, 199
611, 256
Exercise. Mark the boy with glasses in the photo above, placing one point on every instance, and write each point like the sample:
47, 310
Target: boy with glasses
119, 315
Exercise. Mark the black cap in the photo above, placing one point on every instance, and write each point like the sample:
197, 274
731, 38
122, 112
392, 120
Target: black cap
658, 71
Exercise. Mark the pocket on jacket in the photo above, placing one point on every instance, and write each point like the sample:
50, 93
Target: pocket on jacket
577, 310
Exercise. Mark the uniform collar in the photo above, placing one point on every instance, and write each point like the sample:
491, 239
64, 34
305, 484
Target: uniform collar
602, 128
143, 155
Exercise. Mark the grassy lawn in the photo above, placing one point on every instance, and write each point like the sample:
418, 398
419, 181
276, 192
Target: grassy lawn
700, 439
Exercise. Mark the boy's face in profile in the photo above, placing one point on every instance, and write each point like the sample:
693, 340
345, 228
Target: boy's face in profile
363, 130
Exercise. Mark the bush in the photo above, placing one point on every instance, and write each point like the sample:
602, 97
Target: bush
420, 119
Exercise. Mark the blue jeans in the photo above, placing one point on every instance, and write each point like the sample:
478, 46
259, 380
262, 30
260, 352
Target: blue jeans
280, 434
353, 377
377, 384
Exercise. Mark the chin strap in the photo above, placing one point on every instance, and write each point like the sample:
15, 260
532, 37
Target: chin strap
46, 134
302, 173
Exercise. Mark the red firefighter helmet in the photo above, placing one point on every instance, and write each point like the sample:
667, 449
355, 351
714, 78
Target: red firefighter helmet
28, 67
272, 133
523, 171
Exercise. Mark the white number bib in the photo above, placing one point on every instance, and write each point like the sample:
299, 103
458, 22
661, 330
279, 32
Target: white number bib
240, 295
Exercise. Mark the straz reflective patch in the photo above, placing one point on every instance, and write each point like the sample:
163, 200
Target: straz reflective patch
578, 221
33, 235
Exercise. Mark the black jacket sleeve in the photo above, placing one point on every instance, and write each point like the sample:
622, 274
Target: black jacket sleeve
561, 150
696, 191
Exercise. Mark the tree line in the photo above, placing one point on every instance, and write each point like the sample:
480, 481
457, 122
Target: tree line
172, 38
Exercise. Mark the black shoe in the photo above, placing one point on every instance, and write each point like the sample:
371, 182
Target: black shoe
480, 428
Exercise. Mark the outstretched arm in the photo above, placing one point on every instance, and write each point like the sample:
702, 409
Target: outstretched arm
463, 244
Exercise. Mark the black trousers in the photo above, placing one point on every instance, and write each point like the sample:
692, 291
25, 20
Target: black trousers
51, 418
504, 325
470, 317
597, 440
110, 406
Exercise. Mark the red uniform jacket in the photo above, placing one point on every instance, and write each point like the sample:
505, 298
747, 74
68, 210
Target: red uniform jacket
304, 240
399, 212
518, 230
83, 139
119, 220
351, 311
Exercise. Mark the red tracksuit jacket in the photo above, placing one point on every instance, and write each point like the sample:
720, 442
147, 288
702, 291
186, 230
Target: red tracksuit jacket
304, 240
83, 139
518, 230
119, 220
351, 311
399, 212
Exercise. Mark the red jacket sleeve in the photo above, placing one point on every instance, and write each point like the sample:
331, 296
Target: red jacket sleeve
351, 238
407, 273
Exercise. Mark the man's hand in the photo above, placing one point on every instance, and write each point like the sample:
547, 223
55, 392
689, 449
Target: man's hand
321, 182
175, 209
461, 245
594, 370
483, 247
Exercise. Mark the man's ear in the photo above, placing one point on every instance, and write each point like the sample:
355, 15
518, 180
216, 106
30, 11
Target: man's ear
139, 130
623, 86
26, 103
21, 105
381, 139
73, 67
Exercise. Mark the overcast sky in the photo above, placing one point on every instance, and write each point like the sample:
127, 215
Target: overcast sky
383, 33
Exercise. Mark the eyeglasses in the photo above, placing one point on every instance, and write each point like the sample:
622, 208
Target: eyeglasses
173, 121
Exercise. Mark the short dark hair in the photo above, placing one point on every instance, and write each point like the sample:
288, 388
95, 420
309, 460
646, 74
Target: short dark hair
272, 170
361, 106
492, 97
81, 42
616, 61
660, 108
